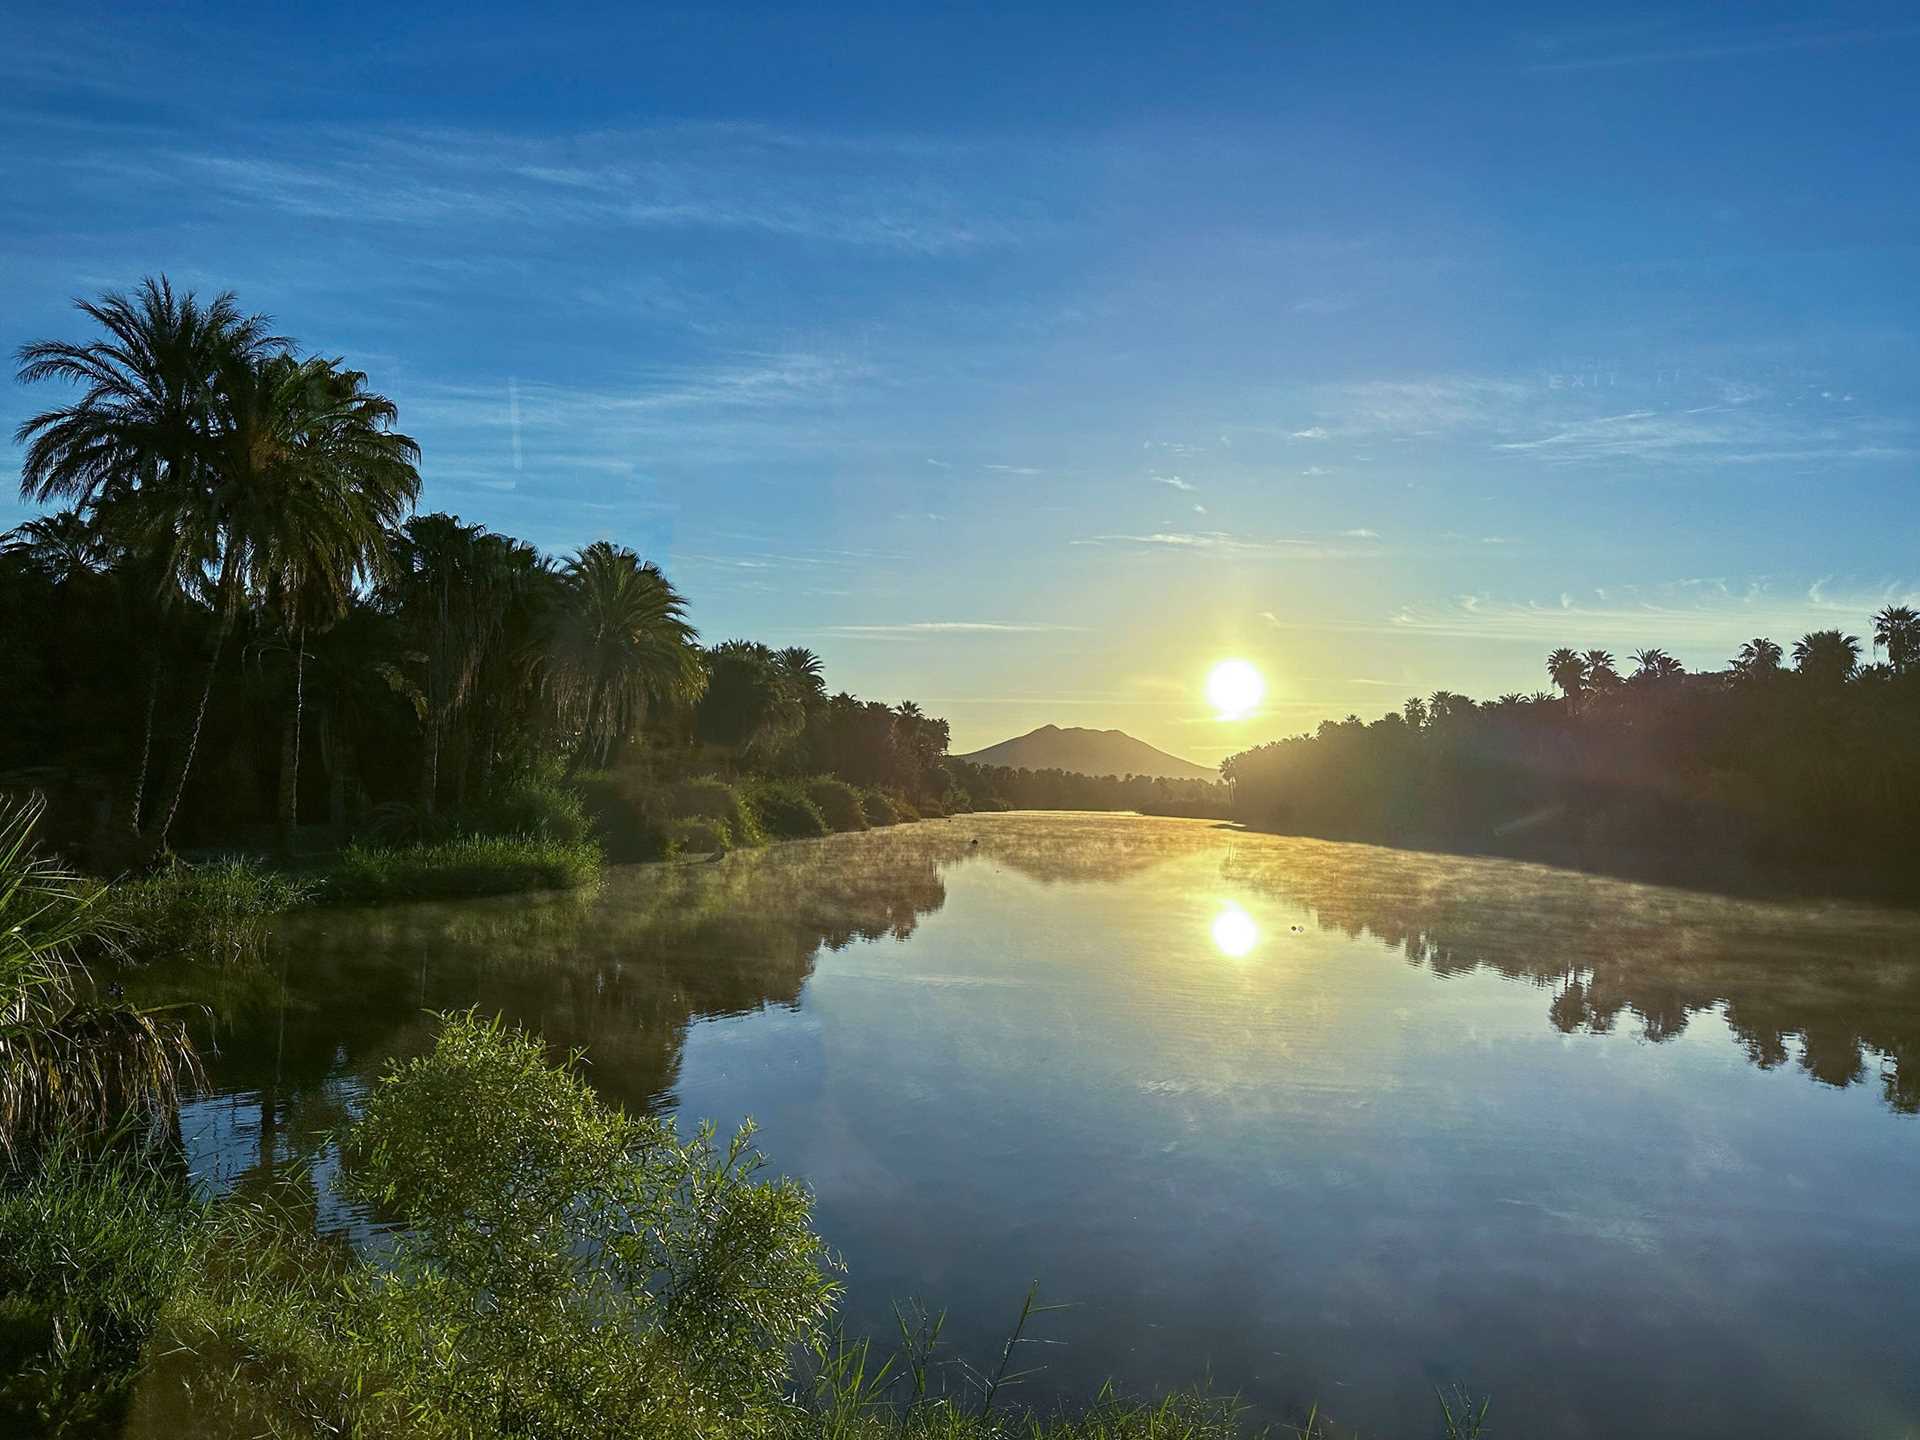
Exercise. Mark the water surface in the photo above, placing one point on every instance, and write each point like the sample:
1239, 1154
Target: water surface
1321, 1122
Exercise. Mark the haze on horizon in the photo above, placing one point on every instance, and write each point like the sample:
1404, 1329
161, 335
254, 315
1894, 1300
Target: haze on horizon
1385, 352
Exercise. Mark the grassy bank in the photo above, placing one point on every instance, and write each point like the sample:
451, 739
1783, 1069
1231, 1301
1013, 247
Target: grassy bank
468, 865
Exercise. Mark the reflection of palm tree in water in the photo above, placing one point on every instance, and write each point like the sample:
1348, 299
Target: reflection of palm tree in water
1831, 985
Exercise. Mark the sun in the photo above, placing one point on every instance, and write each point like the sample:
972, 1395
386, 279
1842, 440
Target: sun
1234, 688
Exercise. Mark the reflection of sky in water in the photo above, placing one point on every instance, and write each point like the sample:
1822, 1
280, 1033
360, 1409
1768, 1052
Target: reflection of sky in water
1323, 1122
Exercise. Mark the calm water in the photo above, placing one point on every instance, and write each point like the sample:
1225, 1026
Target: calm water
1323, 1122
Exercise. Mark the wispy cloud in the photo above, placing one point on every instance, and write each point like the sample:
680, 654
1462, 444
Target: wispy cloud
1176, 482
945, 627
1312, 432
1223, 544
1669, 45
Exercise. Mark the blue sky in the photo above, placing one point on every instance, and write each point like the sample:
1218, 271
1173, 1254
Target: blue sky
1026, 363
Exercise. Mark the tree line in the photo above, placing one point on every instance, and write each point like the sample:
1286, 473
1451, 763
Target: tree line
1760, 769
231, 614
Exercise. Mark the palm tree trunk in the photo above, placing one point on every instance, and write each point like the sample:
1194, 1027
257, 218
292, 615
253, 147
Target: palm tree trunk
193, 734
287, 814
146, 751
430, 765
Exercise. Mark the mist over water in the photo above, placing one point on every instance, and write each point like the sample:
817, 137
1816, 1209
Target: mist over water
1321, 1122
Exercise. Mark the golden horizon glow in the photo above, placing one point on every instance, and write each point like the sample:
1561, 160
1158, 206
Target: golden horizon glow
1234, 689
1234, 932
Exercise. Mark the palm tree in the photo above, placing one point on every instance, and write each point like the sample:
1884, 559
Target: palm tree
1568, 671
621, 650
1415, 711
1757, 658
64, 1061
140, 443
1601, 674
454, 588
61, 547
1827, 657
1897, 629
1656, 664
316, 475
802, 670
748, 705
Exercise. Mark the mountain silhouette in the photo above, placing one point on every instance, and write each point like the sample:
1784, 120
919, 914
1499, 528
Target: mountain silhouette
1088, 752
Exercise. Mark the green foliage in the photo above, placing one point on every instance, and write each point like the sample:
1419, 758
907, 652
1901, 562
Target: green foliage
838, 803
707, 797
214, 913
68, 1060
91, 1248
879, 808
696, 835
543, 808
564, 1269
785, 810
463, 866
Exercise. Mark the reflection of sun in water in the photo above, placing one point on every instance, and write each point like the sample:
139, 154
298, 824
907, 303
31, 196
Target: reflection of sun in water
1234, 931
1234, 688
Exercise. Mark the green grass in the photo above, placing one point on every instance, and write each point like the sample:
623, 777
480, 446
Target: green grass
466, 866
217, 912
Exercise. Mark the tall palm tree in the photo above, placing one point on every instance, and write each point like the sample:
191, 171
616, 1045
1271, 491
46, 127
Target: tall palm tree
1568, 671
1415, 712
454, 588
316, 474
622, 648
1827, 657
1897, 630
141, 442
1757, 658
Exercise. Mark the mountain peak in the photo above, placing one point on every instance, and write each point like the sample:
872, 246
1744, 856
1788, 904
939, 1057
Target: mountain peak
1087, 752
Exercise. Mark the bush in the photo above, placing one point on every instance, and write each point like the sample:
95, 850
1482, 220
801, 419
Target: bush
785, 811
838, 803
468, 865
90, 1251
879, 808
216, 912
697, 836
546, 809
628, 812
903, 808
706, 797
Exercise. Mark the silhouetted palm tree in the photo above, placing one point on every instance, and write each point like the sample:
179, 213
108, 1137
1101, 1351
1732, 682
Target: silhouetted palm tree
1656, 664
1415, 712
314, 475
1568, 671
1896, 629
1601, 674
1827, 657
62, 546
802, 670
621, 648
1758, 657
142, 442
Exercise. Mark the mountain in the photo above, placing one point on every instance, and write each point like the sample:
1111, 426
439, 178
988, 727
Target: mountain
1089, 752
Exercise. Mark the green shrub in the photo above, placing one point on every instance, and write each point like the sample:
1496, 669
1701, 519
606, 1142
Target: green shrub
543, 808
468, 865
628, 812
903, 808
90, 1251
697, 835
838, 803
785, 811
706, 797
216, 912
879, 808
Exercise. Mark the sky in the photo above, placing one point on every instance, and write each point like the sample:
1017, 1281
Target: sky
1025, 361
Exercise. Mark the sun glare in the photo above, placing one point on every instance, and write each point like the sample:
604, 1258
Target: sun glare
1234, 932
1234, 688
